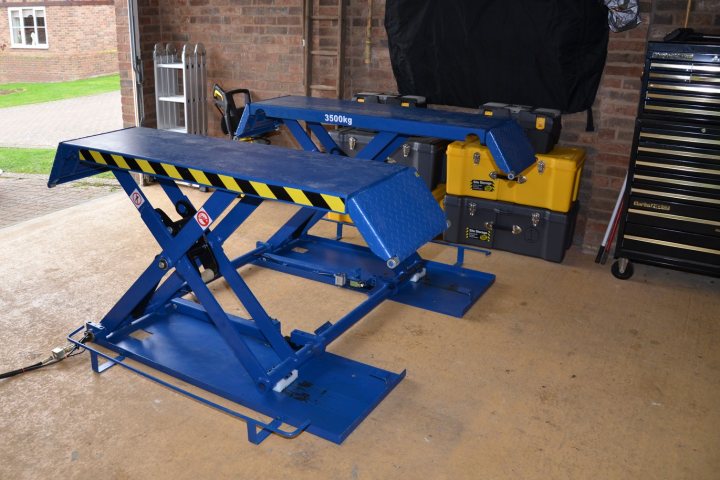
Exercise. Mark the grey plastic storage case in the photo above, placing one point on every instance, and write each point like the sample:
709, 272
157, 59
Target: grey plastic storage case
426, 155
532, 231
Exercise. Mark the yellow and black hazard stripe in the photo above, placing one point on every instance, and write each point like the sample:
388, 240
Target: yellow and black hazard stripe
250, 187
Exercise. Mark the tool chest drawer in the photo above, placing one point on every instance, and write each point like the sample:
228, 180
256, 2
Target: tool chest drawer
672, 213
673, 247
688, 149
702, 194
677, 163
679, 216
681, 81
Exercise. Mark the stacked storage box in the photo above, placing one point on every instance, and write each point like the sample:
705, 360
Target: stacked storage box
426, 155
541, 125
390, 99
532, 214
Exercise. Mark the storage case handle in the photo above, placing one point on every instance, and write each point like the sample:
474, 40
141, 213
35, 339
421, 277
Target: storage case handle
511, 177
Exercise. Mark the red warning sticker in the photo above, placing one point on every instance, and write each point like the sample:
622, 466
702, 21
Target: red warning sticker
202, 218
137, 198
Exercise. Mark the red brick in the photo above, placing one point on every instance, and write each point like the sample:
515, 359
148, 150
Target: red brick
73, 51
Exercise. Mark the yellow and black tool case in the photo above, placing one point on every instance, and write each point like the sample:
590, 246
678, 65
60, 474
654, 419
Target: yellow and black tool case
391, 99
552, 182
532, 231
542, 126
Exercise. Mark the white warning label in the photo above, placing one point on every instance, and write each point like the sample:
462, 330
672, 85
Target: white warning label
203, 219
137, 198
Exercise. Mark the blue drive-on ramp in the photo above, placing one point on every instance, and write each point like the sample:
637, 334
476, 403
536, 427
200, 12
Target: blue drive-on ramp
393, 209
506, 140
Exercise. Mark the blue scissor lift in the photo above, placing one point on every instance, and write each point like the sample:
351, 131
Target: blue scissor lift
288, 376
393, 125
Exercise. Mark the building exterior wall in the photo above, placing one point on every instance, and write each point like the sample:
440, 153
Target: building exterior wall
257, 44
81, 43
124, 62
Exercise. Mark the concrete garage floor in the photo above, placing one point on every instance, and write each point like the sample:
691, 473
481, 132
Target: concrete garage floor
560, 371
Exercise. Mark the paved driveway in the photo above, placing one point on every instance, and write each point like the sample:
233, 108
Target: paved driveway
47, 124
23, 197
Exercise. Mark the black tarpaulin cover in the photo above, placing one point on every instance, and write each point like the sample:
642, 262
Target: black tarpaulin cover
544, 53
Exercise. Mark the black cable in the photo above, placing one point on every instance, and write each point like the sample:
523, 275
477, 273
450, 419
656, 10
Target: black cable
12, 373
35, 366
49, 361
75, 354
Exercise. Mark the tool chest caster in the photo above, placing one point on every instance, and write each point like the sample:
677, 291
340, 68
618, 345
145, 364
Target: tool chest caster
622, 268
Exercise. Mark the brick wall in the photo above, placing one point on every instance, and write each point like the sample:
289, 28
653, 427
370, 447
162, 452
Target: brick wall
608, 147
615, 109
250, 44
81, 43
256, 44
124, 62
668, 15
376, 76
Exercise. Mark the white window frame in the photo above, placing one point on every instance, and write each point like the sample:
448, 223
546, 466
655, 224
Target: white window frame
22, 28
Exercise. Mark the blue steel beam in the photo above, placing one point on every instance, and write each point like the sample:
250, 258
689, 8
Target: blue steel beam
303, 178
173, 247
507, 142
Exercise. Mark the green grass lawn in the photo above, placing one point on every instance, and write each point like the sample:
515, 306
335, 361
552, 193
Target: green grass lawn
26, 160
32, 160
14, 94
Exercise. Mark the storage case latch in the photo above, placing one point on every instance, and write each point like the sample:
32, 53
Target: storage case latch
476, 158
406, 150
472, 207
352, 143
541, 166
535, 219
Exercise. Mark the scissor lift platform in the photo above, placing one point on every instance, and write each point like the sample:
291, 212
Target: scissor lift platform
288, 376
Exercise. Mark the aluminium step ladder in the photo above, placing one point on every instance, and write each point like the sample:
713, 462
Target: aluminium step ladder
180, 88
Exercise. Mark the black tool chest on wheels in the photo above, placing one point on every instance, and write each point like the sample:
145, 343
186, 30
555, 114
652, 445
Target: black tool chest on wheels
671, 208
